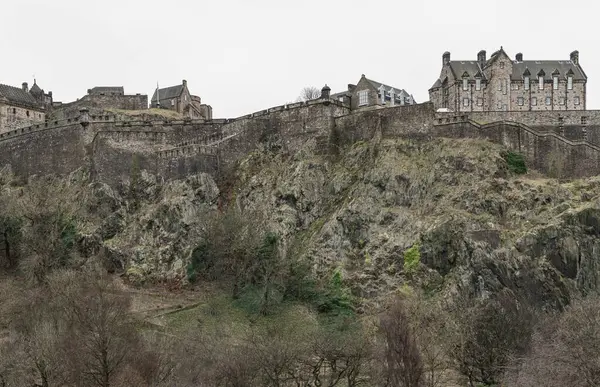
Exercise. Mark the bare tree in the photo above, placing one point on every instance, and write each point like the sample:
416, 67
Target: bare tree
50, 208
309, 93
488, 334
566, 349
403, 362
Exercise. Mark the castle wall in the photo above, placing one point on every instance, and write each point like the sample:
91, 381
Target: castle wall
97, 103
553, 142
13, 117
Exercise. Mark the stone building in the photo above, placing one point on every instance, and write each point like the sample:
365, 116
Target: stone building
501, 84
21, 106
368, 93
179, 99
107, 90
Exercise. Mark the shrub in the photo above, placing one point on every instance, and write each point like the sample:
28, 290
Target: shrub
515, 161
412, 258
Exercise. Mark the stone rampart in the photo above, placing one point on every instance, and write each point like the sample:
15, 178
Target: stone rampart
97, 103
110, 147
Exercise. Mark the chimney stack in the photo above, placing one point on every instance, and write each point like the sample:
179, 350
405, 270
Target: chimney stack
184, 83
575, 57
446, 58
481, 58
25, 87
519, 57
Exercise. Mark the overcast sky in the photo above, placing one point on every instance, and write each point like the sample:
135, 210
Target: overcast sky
242, 56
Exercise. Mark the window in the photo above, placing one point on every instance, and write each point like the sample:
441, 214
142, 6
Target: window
499, 105
341, 99
584, 120
501, 65
478, 84
514, 86
526, 83
465, 102
500, 85
576, 100
505, 87
363, 97
520, 101
465, 84
14, 111
541, 82
27, 113
172, 102
555, 83
570, 83
479, 101
533, 101
561, 101
548, 101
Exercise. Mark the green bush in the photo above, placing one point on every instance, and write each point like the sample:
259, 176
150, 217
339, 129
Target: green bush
412, 258
516, 162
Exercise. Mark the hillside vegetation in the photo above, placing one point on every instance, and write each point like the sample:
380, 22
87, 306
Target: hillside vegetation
393, 263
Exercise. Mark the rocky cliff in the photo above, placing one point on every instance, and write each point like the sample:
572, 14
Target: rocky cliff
444, 215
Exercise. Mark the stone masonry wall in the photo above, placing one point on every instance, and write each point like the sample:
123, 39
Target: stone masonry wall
175, 149
97, 103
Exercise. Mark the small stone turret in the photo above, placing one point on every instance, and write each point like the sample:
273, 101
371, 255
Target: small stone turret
325, 92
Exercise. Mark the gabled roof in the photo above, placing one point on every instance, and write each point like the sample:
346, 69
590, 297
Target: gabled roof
108, 90
18, 96
35, 89
471, 68
563, 67
168, 93
387, 88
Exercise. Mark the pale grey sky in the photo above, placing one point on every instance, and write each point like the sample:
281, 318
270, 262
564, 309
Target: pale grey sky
242, 56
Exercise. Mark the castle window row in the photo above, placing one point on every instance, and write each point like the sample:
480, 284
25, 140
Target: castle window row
503, 84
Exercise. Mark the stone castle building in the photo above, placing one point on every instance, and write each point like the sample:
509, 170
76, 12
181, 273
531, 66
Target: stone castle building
179, 99
22, 106
368, 93
503, 84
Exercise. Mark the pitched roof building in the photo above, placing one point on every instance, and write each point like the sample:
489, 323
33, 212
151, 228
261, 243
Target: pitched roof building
372, 93
21, 107
501, 83
179, 99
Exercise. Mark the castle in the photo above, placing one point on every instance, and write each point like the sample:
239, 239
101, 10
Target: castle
91, 134
22, 106
503, 84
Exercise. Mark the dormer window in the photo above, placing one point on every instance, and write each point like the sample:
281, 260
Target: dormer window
465, 84
570, 82
541, 82
363, 97
526, 83
478, 84
555, 82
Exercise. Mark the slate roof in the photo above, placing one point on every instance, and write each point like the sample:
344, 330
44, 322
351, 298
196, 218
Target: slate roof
35, 89
563, 67
459, 67
168, 93
18, 96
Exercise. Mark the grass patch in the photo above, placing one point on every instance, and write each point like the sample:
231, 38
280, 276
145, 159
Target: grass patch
412, 258
515, 161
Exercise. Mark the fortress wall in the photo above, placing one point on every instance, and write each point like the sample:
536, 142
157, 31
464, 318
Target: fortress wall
98, 103
58, 150
545, 152
395, 121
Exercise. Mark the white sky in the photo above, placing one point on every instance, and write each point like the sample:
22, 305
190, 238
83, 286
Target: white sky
242, 56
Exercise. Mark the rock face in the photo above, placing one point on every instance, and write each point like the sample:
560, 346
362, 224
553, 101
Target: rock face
476, 227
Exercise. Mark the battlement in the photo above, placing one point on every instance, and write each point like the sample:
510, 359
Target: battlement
176, 148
